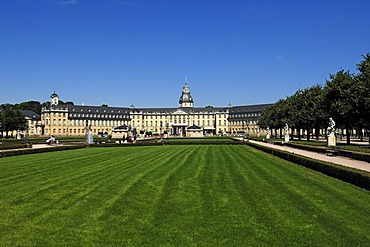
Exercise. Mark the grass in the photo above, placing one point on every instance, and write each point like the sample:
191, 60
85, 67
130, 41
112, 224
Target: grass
176, 196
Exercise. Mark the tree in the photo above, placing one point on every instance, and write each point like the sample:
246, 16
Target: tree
307, 109
12, 119
317, 116
274, 116
295, 115
341, 100
34, 106
363, 82
60, 102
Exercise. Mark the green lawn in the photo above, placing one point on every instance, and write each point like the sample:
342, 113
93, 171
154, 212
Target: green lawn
187, 195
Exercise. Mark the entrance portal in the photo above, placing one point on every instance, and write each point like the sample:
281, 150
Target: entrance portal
179, 130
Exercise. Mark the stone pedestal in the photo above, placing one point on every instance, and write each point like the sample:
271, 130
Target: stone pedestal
286, 138
331, 140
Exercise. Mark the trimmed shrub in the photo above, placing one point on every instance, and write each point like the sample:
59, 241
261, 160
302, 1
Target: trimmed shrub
7, 147
14, 152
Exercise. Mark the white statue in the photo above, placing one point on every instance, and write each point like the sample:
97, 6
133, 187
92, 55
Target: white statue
286, 137
268, 133
331, 128
331, 133
89, 135
286, 128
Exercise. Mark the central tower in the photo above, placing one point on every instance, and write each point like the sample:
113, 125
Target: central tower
186, 100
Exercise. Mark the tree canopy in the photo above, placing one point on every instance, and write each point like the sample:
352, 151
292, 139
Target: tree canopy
345, 97
12, 119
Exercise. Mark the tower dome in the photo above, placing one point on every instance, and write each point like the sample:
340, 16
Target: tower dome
186, 100
54, 99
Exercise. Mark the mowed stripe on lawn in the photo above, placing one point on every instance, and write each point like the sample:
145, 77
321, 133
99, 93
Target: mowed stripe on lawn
182, 195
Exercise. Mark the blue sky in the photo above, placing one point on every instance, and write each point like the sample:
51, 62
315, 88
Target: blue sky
123, 52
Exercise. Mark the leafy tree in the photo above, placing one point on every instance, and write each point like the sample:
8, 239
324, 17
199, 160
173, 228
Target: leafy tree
345, 97
12, 119
363, 82
307, 110
294, 116
65, 103
274, 116
34, 106
266, 119
341, 100
317, 117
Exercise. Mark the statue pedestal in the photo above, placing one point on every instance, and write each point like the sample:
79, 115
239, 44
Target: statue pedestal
286, 138
331, 140
267, 136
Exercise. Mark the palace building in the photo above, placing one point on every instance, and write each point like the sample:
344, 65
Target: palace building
183, 121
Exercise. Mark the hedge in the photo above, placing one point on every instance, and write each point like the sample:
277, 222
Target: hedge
165, 142
346, 174
14, 152
7, 147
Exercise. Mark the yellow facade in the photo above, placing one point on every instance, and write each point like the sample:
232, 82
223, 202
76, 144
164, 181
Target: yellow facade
70, 120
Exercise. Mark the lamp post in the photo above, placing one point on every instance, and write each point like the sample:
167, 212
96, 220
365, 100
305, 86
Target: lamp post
160, 128
26, 135
167, 129
248, 130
